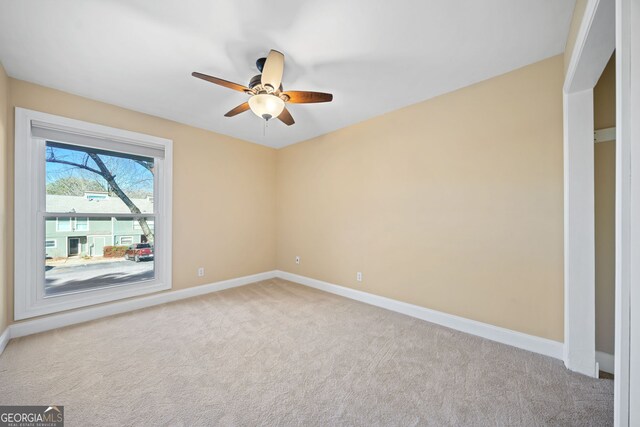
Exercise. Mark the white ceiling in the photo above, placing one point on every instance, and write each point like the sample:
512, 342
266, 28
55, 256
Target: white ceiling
374, 56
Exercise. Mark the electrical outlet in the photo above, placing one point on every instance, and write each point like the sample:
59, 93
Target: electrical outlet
201, 272
359, 276
297, 260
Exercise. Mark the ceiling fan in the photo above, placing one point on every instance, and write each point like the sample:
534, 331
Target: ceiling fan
267, 98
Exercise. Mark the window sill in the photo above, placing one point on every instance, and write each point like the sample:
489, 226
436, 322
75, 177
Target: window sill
56, 304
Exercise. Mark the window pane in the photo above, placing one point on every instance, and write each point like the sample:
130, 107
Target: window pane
64, 224
82, 224
107, 253
88, 180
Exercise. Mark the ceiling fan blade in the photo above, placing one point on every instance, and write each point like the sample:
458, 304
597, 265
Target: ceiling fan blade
239, 109
285, 117
304, 97
230, 85
273, 69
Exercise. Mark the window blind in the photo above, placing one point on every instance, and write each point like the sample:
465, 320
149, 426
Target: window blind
96, 142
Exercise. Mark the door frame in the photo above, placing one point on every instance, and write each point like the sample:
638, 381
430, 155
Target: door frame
69, 239
594, 45
627, 348
586, 64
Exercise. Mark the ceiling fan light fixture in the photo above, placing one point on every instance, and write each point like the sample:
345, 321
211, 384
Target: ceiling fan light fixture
266, 106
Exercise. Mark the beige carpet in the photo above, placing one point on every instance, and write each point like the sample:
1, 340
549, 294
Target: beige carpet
277, 353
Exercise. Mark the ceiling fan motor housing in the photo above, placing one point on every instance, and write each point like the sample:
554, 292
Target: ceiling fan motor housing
255, 81
260, 63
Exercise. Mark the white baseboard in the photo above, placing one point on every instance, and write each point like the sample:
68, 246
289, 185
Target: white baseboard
532, 343
606, 361
4, 339
54, 321
506, 336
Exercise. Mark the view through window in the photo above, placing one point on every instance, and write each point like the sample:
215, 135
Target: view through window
99, 221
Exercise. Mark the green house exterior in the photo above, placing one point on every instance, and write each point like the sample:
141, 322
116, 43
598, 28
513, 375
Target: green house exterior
67, 235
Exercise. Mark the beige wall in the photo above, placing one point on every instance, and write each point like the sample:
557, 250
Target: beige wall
604, 97
4, 95
576, 20
224, 184
454, 204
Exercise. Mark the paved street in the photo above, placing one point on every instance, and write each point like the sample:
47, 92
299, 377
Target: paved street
81, 277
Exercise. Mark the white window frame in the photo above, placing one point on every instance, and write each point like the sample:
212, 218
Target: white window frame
73, 224
70, 225
125, 237
29, 300
55, 243
75, 228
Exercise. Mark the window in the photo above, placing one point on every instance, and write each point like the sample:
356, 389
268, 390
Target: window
63, 224
82, 224
72, 224
96, 196
91, 185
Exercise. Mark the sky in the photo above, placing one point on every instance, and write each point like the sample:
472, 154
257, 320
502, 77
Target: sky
129, 174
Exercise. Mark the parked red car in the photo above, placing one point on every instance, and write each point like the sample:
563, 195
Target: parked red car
139, 252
